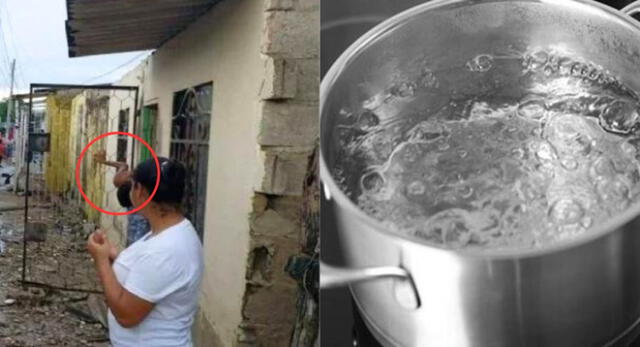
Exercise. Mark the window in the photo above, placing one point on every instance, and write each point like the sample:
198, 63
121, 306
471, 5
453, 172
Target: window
147, 128
123, 125
190, 146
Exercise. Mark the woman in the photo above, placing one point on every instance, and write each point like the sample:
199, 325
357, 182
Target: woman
137, 225
151, 287
2, 149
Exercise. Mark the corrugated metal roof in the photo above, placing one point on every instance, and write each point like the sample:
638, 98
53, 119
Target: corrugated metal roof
110, 26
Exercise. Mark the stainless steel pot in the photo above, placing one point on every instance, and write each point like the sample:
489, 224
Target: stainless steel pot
584, 292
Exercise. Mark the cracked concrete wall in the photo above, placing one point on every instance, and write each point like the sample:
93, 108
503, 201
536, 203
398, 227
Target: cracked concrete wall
287, 135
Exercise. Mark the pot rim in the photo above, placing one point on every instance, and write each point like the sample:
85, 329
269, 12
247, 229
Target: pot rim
335, 193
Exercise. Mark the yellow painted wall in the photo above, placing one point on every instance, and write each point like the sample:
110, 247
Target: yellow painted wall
75, 135
73, 122
96, 114
58, 166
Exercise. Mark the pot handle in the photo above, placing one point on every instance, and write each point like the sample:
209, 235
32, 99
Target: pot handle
405, 290
333, 276
632, 8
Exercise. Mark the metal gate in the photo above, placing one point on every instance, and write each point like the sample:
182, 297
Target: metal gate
57, 221
190, 145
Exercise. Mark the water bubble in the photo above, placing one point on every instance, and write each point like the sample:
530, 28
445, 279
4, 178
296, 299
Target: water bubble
345, 135
520, 208
566, 211
569, 134
614, 194
536, 132
567, 231
586, 70
378, 146
549, 70
564, 66
602, 80
403, 90
545, 151
344, 113
367, 120
481, 63
453, 227
586, 221
576, 69
620, 117
427, 132
621, 188
537, 60
528, 190
518, 153
443, 145
594, 74
598, 105
372, 182
465, 191
569, 163
409, 152
628, 149
427, 79
416, 188
602, 168
531, 109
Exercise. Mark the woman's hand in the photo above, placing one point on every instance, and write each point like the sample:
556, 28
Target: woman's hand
100, 247
100, 156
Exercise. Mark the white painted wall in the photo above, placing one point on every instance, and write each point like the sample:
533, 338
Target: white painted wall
116, 225
221, 47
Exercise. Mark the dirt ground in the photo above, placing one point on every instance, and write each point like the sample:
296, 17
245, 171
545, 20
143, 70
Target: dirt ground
38, 315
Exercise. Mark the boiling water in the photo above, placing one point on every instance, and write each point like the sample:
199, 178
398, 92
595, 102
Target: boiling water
532, 149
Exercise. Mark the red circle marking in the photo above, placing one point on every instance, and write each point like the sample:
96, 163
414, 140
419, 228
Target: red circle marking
155, 189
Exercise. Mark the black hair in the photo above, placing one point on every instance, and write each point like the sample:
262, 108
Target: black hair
123, 195
172, 180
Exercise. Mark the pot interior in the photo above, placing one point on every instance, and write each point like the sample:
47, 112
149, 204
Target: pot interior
495, 124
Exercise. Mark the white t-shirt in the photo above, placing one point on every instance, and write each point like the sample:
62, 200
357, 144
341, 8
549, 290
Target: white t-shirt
164, 269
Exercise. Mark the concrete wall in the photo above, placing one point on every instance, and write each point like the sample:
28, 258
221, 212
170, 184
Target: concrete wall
288, 133
262, 58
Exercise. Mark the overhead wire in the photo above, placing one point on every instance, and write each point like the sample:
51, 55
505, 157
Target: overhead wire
116, 68
19, 75
5, 50
7, 61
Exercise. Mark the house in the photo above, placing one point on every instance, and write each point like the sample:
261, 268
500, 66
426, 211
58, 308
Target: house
231, 90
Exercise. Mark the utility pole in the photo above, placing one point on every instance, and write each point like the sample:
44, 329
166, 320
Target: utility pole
10, 106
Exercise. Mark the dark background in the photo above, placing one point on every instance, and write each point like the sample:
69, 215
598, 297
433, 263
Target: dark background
342, 22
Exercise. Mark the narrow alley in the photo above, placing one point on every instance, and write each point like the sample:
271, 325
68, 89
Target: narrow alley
41, 316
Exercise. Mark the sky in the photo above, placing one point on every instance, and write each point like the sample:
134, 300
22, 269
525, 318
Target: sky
33, 33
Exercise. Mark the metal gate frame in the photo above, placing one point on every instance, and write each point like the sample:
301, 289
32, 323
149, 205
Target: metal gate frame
43, 88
